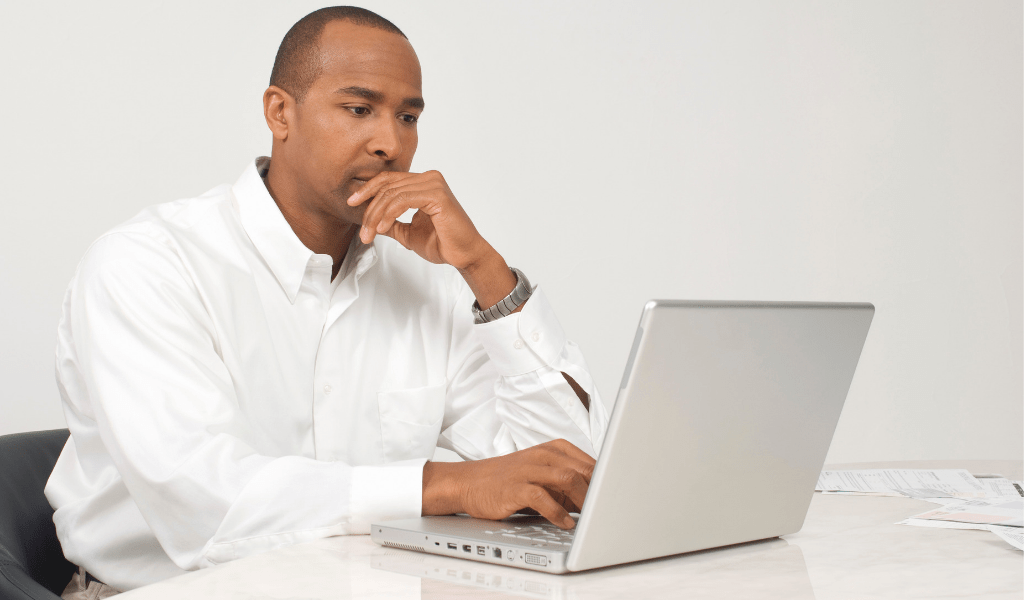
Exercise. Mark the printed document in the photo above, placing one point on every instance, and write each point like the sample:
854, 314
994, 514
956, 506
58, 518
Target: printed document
998, 487
916, 483
1013, 535
1008, 512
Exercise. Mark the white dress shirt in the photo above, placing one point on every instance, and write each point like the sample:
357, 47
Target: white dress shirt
226, 397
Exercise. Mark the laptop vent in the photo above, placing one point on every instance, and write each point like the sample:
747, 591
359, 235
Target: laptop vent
404, 546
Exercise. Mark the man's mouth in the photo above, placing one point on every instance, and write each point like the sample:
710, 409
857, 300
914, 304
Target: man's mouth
365, 178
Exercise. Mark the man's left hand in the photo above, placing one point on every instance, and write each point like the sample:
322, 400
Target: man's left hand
440, 231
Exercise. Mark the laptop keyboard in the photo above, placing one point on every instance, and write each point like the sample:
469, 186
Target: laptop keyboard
545, 533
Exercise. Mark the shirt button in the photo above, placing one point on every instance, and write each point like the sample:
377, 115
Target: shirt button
535, 337
518, 344
327, 389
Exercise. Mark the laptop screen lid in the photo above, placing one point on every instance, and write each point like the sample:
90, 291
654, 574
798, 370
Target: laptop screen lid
721, 426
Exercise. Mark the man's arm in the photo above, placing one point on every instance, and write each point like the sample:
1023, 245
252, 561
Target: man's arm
551, 478
440, 232
144, 371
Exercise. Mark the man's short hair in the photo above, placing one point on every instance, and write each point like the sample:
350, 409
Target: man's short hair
299, 61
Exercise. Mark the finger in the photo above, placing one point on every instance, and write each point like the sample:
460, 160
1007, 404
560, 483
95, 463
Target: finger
572, 451
540, 500
553, 456
565, 501
391, 203
562, 480
401, 233
389, 190
418, 236
371, 187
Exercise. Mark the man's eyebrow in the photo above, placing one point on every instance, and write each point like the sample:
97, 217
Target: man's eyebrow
416, 102
375, 96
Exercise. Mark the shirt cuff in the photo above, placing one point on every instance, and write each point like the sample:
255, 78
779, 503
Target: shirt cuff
524, 341
386, 492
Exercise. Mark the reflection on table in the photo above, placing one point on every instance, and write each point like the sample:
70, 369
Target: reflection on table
849, 547
771, 565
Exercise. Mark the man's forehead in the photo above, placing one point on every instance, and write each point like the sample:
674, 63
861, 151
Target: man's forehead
355, 54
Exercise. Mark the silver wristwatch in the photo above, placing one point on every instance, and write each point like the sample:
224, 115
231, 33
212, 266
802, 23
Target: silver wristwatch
506, 305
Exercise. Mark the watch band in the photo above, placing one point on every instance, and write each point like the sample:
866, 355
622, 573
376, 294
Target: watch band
506, 305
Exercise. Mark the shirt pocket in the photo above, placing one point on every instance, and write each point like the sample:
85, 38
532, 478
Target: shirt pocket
410, 421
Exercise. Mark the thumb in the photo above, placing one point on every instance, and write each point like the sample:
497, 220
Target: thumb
400, 233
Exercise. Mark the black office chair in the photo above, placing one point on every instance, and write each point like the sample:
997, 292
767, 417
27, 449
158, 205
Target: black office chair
32, 564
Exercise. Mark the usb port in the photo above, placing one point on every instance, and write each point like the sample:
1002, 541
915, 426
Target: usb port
452, 546
467, 548
480, 550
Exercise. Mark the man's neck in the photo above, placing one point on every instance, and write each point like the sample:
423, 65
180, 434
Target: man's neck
317, 231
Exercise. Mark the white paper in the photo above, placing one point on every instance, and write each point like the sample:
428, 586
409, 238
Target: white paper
917, 483
1013, 535
998, 487
944, 524
942, 501
879, 494
1002, 511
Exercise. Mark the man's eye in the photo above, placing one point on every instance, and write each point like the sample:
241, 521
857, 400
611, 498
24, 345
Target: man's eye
359, 110
409, 118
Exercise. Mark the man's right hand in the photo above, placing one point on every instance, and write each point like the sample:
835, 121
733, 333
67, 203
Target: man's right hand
550, 478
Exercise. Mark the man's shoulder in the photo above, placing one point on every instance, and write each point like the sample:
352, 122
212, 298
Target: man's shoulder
178, 216
158, 232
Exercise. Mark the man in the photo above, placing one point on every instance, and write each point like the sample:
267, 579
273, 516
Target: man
276, 361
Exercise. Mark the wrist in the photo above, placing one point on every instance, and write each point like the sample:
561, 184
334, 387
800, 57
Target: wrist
489, 278
487, 259
442, 493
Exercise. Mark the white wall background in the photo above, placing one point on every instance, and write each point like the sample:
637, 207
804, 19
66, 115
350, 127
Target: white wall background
863, 151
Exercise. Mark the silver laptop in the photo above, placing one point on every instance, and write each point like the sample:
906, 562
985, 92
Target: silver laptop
719, 431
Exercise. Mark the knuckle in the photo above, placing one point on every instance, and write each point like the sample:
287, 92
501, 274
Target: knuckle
567, 477
535, 495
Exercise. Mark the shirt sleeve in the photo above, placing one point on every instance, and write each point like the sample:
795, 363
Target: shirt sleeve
506, 390
164, 406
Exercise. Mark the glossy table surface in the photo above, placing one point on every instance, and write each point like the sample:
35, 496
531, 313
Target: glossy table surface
849, 547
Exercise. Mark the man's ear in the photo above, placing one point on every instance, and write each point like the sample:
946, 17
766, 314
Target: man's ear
278, 108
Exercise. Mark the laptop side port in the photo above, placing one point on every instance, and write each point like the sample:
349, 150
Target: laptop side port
467, 548
480, 550
536, 559
452, 546
497, 553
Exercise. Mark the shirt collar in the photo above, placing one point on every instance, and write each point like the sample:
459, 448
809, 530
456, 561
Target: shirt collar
359, 258
274, 238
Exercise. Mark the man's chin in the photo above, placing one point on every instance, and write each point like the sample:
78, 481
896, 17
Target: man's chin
342, 211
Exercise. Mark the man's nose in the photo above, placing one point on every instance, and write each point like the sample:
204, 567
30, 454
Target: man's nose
387, 141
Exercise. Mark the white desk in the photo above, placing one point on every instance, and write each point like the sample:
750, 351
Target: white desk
848, 548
